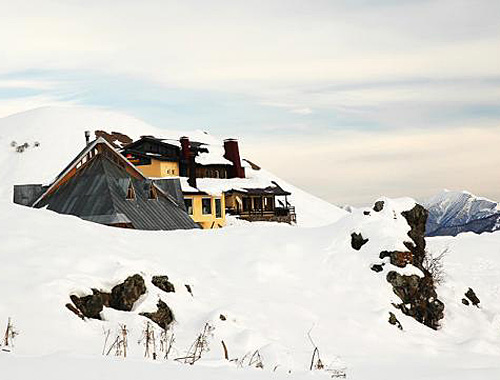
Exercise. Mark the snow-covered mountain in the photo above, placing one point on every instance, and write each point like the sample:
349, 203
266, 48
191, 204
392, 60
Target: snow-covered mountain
454, 212
268, 292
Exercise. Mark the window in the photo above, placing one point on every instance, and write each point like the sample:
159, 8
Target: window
206, 206
130, 191
152, 192
268, 203
218, 208
257, 204
189, 205
246, 204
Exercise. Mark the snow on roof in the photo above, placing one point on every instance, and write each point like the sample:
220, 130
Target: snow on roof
214, 156
218, 186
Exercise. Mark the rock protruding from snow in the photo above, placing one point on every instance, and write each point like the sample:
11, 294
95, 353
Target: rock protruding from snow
419, 298
122, 297
163, 316
357, 241
471, 295
163, 283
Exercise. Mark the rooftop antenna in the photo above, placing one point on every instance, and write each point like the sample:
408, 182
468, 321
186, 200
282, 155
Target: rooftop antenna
87, 137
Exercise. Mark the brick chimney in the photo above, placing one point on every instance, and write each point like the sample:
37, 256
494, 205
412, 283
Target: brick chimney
188, 163
185, 145
232, 153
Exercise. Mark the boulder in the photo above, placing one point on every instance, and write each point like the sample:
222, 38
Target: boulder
124, 295
379, 206
377, 267
91, 306
357, 241
163, 316
394, 321
472, 297
163, 283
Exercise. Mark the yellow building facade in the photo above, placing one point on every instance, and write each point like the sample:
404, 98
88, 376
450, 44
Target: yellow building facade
206, 210
157, 169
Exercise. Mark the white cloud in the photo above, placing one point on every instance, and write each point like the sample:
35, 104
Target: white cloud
302, 111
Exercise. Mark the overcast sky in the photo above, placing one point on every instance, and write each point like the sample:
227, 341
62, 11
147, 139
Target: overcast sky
347, 99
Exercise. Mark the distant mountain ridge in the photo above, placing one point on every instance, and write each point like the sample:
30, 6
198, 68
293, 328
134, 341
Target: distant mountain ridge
454, 212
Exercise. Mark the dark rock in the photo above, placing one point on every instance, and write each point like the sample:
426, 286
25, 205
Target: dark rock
123, 296
92, 305
366, 212
398, 258
163, 283
188, 288
465, 302
417, 218
379, 206
377, 267
394, 321
419, 298
472, 297
357, 241
222, 317
163, 316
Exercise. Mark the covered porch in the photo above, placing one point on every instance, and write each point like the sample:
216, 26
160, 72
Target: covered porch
266, 204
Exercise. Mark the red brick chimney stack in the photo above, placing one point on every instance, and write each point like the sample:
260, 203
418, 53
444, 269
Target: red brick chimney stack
185, 148
232, 153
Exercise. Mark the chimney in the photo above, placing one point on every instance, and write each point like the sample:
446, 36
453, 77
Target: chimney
192, 171
187, 163
87, 137
185, 145
232, 153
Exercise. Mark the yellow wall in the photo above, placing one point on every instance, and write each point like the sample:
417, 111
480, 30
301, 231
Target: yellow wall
207, 220
160, 169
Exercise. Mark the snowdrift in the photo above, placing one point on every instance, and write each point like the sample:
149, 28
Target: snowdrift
262, 287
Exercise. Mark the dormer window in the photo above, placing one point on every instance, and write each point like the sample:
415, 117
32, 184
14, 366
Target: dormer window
152, 192
130, 191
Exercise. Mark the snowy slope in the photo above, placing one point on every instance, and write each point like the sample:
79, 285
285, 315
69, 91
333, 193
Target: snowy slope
454, 212
60, 132
271, 283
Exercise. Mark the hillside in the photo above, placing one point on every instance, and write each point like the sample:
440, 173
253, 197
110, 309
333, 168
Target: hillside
454, 212
263, 288
60, 133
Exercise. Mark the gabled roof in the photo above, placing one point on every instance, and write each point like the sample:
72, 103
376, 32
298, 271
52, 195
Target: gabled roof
154, 140
98, 193
80, 157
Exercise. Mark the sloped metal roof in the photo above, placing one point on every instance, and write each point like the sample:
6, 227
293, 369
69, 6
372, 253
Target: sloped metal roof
97, 192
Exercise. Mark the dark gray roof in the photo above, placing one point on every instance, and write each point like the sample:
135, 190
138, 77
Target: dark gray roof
97, 192
26, 195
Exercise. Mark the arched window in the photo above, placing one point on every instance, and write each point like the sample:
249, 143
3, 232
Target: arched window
152, 192
130, 191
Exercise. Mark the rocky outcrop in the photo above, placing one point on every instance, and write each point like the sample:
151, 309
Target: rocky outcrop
357, 241
379, 206
163, 316
394, 321
377, 268
91, 306
472, 297
122, 297
419, 298
398, 258
416, 218
418, 294
163, 283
